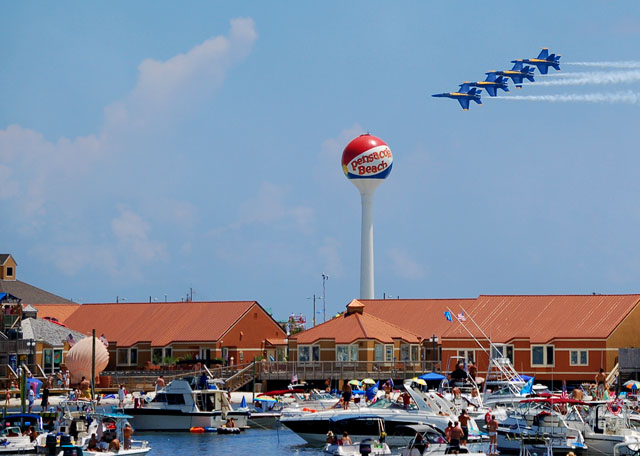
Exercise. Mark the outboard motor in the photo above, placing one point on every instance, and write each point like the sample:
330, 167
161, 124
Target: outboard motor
365, 447
65, 440
51, 443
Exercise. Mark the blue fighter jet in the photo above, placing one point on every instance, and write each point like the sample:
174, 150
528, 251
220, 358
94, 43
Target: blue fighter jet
543, 61
464, 96
491, 84
517, 74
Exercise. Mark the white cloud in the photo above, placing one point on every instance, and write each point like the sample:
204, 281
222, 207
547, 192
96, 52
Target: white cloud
132, 233
269, 206
404, 266
53, 187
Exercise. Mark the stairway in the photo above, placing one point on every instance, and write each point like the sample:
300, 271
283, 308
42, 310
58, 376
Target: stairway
241, 378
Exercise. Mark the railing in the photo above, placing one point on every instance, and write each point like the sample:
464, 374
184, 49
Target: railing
19, 347
319, 370
241, 378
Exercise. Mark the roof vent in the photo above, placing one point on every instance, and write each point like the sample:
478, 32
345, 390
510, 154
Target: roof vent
355, 306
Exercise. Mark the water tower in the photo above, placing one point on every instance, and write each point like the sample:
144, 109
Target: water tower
367, 161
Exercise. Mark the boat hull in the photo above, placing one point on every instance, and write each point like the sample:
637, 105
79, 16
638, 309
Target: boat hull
149, 419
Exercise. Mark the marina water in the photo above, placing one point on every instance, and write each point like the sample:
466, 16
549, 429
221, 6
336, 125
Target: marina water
253, 442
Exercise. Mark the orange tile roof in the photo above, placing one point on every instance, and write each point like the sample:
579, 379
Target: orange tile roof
544, 318
59, 311
159, 323
275, 341
350, 327
424, 317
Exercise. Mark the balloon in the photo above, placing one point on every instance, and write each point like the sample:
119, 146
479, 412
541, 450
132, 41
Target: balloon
78, 359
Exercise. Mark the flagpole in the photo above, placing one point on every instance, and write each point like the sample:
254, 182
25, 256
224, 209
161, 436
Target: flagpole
470, 333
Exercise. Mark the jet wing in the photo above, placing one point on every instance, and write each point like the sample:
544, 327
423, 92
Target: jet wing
464, 102
491, 91
543, 68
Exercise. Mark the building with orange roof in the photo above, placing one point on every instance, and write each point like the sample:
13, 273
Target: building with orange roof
555, 337
144, 334
359, 338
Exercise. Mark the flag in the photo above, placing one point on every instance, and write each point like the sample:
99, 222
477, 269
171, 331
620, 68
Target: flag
243, 404
528, 387
564, 394
391, 383
461, 317
294, 378
372, 391
447, 315
71, 340
104, 340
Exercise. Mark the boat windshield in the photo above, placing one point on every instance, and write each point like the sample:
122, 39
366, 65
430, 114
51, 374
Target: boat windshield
387, 404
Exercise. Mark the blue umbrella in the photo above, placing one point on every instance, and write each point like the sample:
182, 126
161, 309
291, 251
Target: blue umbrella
432, 376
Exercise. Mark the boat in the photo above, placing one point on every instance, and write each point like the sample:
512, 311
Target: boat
426, 440
537, 427
313, 426
13, 439
178, 407
74, 429
366, 447
368, 433
604, 425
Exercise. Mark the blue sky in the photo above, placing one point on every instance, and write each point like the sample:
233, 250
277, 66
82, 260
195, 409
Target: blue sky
150, 147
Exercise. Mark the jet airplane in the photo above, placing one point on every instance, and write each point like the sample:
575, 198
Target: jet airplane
464, 96
543, 61
491, 84
517, 74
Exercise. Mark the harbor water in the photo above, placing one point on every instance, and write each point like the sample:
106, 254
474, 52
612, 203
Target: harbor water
253, 442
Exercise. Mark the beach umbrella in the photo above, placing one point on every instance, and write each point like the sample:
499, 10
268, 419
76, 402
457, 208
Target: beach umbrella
420, 381
265, 399
632, 384
369, 381
432, 376
355, 382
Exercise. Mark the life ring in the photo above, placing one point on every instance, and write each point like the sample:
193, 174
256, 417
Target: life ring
196, 430
615, 406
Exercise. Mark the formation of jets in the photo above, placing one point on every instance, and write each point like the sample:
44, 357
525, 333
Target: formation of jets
470, 91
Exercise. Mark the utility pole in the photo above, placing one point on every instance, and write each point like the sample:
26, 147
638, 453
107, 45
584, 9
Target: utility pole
324, 297
314, 310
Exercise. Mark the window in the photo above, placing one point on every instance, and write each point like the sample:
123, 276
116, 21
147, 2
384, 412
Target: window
127, 356
467, 355
9, 271
156, 357
542, 355
308, 353
388, 353
502, 351
123, 356
168, 353
347, 353
52, 358
409, 352
378, 352
579, 357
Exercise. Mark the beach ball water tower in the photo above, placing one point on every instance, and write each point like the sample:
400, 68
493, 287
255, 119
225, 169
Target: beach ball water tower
367, 161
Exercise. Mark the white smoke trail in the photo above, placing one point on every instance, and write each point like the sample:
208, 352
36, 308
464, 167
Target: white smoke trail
596, 77
619, 97
620, 65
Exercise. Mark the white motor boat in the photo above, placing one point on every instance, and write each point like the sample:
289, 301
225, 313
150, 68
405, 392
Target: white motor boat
604, 426
366, 447
313, 426
178, 407
536, 427
428, 441
13, 442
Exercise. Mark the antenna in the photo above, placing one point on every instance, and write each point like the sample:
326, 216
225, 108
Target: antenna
324, 298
